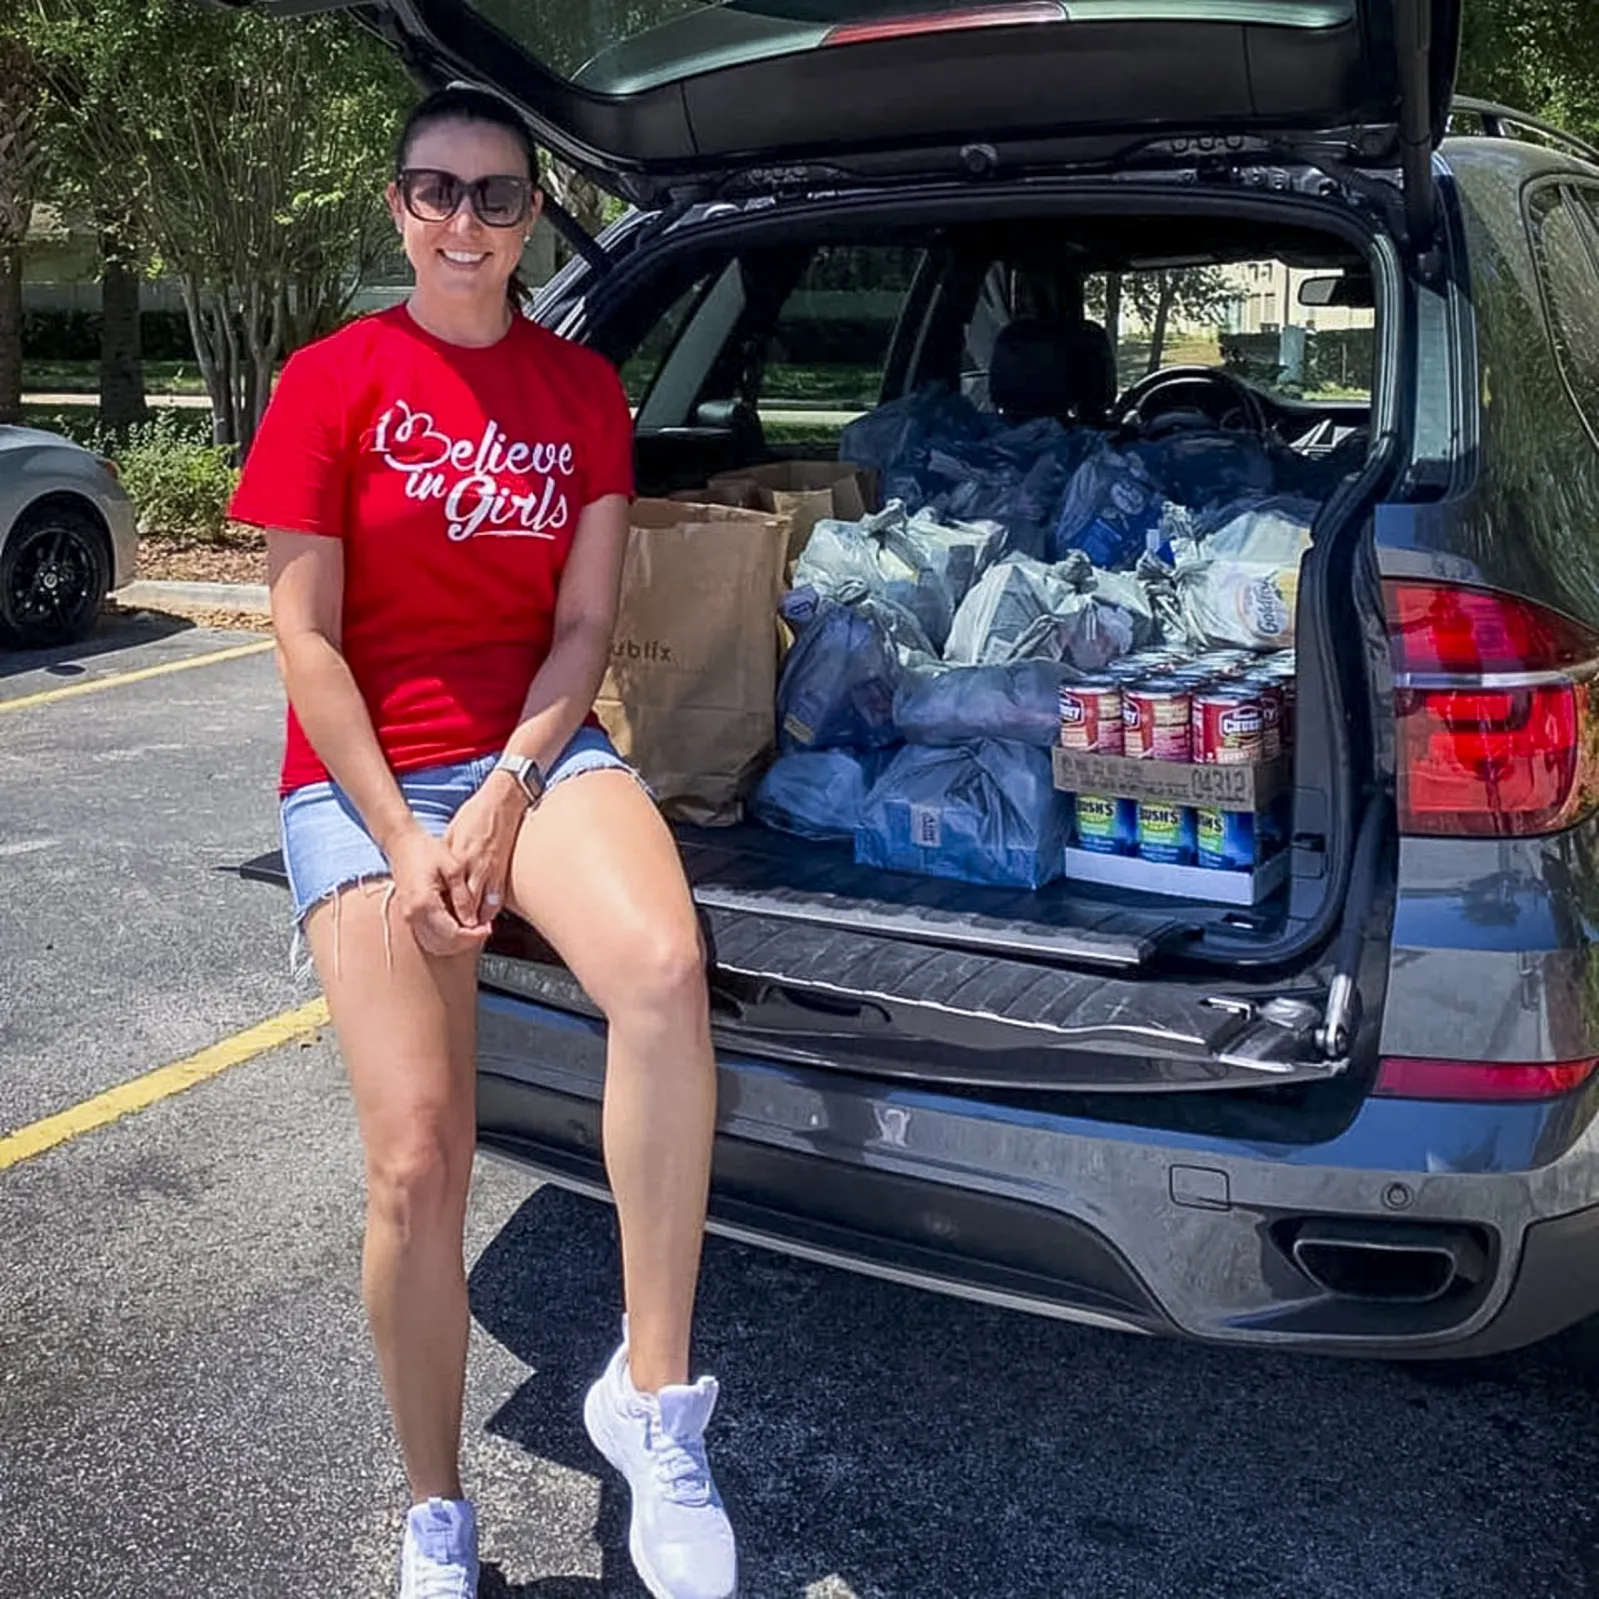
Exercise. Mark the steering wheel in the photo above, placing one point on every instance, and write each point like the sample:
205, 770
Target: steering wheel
1225, 401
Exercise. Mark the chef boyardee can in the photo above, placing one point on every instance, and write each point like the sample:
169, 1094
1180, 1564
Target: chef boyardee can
1226, 840
1290, 689
1157, 715
1227, 727
1270, 694
1106, 826
1166, 833
1091, 717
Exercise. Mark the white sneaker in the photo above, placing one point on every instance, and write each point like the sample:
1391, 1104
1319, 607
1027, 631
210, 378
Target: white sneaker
680, 1540
439, 1560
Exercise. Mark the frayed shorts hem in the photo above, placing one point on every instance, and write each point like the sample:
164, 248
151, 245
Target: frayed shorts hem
327, 849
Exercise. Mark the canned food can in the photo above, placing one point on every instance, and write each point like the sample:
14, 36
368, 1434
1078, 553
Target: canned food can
1157, 715
1227, 728
1091, 717
1289, 684
1272, 699
1106, 826
1127, 670
1166, 833
1225, 841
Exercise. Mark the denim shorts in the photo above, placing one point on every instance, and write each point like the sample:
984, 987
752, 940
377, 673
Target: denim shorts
326, 846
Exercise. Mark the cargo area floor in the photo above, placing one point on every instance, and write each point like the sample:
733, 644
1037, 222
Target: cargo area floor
755, 869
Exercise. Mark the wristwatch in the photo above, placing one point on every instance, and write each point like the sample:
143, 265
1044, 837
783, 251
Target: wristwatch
527, 774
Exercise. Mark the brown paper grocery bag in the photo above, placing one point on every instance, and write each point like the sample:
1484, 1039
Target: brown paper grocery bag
691, 690
803, 491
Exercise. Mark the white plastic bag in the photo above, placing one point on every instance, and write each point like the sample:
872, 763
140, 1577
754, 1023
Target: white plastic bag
1241, 584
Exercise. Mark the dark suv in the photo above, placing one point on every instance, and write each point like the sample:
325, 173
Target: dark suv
1356, 1116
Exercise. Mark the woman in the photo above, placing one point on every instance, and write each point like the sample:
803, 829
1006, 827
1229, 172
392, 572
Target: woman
444, 488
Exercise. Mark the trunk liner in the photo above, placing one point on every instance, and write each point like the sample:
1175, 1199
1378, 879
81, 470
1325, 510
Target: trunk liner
753, 869
854, 1001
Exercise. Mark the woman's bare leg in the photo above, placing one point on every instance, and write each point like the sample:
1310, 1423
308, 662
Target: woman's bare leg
597, 872
405, 1023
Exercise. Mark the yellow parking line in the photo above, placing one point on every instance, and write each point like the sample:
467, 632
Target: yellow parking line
162, 1083
140, 675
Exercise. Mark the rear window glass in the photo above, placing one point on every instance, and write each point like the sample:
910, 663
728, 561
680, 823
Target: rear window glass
627, 46
1565, 241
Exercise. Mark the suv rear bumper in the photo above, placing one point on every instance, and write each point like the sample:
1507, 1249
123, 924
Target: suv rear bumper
1109, 1224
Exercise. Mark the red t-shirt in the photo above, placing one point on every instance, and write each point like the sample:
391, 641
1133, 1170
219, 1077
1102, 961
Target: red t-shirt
455, 478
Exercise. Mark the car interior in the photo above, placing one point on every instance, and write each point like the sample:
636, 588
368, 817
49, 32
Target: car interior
736, 353
1014, 317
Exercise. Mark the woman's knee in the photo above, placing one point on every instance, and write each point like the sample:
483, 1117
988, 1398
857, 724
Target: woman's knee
658, 977
418, 1169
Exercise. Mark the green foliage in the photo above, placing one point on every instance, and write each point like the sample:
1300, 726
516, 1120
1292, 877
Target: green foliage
257, 151
1540, 56
180, 485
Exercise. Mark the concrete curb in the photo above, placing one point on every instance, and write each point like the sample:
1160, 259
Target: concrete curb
251, 597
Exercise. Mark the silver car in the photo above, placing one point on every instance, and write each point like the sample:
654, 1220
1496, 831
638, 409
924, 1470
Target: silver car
67, 537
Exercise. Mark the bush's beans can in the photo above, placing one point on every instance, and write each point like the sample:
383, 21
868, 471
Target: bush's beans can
1091, 716
1272, 699
1106, 826
1225, 840
1157, 713
1166, 833
1227, 727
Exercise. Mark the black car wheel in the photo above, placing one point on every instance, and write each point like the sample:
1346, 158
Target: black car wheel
55, 570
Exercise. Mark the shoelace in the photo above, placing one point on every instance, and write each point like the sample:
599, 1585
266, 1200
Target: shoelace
430, 1580
680, 1467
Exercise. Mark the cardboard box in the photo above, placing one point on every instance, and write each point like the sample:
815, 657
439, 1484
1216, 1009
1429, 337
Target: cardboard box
1222, 788
1180, 882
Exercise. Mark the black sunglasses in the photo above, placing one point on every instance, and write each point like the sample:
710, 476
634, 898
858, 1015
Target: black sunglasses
498, 201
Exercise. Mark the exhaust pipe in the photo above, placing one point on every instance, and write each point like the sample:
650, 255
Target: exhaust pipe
1388, 1264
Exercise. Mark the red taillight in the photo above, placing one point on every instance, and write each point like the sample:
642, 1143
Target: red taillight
1001, 16
1493, 697
1480, 1082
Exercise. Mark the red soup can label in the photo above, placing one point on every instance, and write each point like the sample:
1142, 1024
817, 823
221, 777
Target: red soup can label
1271, 699
1091, 717
1227, 728
1157, 716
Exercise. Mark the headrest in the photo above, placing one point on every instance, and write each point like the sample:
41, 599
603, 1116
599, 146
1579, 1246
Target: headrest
1060, 369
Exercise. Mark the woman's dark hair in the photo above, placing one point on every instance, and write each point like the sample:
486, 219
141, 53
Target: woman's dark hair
460, 102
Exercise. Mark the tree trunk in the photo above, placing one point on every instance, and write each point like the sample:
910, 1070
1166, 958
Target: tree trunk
1157, 334
122, 400
10, 335
1113, 322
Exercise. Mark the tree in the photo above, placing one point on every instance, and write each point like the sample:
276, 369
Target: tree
262, 179
79, 124
1186, 296
21, 161
1540, 56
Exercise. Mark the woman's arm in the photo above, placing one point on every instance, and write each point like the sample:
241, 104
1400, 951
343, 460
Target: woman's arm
306, 574
563, 689
559, 699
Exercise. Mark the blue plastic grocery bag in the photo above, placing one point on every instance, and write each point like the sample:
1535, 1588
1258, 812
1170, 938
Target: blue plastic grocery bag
985, 812
817, 794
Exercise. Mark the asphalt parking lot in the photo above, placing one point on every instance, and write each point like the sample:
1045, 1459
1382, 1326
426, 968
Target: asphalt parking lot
187, 1404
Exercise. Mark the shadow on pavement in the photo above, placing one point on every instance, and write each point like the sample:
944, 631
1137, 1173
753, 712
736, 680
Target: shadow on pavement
116, 630
904, 1444
492, 1585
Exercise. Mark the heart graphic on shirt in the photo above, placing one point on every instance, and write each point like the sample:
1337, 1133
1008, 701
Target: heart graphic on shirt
409, 441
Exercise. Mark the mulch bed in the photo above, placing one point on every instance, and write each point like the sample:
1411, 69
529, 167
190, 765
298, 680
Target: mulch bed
238, 557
